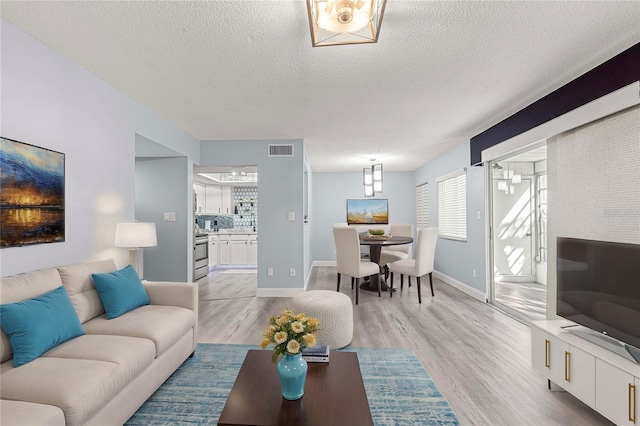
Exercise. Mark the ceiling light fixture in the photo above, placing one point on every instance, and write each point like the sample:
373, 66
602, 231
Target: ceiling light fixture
336, 22
372, 179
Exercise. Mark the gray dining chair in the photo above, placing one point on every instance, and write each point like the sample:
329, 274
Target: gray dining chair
422, 264
348, 259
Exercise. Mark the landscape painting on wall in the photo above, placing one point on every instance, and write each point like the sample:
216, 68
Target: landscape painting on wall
31, 194
369, 211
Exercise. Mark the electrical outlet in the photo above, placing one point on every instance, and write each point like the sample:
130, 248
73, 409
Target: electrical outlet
474, 274
270, 272
478, 215
292, 272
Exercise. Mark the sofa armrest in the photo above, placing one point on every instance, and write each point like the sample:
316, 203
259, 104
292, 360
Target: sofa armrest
168, 293
184, 295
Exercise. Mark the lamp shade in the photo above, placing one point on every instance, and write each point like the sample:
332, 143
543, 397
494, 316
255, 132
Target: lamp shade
136, 234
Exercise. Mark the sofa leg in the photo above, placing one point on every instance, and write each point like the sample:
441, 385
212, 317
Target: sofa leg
192, 354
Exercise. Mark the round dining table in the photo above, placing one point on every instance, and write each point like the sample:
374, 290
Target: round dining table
375, 247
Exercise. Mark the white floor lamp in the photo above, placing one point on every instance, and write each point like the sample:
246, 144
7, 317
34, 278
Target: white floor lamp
136, 235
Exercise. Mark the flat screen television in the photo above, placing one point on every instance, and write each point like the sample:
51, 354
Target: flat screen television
368, 211
599, 288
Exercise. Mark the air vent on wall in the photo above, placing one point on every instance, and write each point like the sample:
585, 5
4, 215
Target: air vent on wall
280, 150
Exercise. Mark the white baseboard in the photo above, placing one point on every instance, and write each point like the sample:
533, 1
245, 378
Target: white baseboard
465, 288
278, 292
323, 263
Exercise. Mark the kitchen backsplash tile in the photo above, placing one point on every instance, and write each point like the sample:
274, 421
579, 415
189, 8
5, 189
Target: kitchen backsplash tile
223, 222
245, 209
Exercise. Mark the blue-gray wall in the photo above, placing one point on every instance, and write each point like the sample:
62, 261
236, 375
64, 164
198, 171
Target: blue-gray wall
307, 219
457, 259
161, 186
330, 194
280, 190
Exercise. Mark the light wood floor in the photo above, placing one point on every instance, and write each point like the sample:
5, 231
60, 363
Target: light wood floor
529, 300
478, 357
227, 284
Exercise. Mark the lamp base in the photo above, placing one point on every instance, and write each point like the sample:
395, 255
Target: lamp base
136, 259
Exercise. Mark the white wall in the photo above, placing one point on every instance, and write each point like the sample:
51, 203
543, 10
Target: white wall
49, 101
593, 186
330, 194
458, 259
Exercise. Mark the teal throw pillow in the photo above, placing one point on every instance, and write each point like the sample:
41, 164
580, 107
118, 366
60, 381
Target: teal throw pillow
36, 325
120, 291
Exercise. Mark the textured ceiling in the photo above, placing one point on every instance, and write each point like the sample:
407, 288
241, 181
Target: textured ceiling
441, 72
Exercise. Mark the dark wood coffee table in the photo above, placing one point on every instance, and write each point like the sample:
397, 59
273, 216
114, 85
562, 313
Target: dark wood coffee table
333, 394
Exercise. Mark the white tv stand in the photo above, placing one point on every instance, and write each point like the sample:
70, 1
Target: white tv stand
604, 380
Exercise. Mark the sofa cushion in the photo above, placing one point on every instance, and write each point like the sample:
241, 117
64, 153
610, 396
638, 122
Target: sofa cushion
20, 413
163, 325
36, 325
120, 291
22, 287
133, 354
81, 375
79, 285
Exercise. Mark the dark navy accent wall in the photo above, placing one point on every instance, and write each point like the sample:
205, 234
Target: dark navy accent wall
608, 77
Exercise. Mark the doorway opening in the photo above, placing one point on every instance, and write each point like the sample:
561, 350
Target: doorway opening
226, 210
518, 200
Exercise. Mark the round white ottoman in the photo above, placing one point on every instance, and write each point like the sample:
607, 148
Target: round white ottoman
335, 312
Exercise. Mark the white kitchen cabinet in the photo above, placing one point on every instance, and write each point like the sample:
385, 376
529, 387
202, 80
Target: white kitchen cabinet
239, 246
213, 199
252, 252
224, 250
213, 250
200, 191
219, 199
620, 402
226, 203
600, 378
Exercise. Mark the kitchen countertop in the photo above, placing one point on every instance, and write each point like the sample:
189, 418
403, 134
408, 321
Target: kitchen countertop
231, 232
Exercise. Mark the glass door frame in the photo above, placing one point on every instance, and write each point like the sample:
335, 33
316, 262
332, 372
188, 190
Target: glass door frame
489, 231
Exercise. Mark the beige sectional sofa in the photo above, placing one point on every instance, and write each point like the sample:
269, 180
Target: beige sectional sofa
105, 375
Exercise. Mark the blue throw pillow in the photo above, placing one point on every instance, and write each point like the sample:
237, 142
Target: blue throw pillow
36, 325
120, 291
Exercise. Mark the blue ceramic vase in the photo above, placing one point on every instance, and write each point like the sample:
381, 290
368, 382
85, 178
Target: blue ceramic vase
293, 373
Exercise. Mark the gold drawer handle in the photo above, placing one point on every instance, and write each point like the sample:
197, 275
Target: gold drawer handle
547, 354
632, 403
567, 366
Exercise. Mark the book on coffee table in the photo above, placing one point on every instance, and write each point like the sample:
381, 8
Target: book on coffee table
318, 353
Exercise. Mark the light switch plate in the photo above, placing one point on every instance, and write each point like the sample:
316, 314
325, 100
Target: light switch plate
169, 216
292, 216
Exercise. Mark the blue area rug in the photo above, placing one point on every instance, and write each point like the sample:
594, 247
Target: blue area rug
399, 390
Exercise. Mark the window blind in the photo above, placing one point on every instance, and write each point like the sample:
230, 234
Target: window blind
452, 205
422, 206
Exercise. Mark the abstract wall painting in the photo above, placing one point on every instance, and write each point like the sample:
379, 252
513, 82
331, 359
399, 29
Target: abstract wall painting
31, 195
